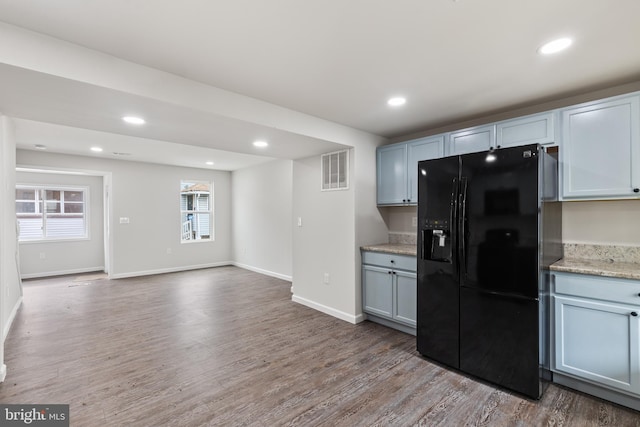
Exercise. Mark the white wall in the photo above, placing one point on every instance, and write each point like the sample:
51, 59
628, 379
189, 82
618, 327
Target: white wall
601, 222
370, 227
66, 257
334, 226
10, 290
148, 195
262, 218
325, 244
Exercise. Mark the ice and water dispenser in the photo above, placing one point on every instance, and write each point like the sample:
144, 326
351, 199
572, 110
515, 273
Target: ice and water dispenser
436, 240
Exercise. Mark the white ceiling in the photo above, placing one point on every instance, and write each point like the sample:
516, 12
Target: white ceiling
333, 59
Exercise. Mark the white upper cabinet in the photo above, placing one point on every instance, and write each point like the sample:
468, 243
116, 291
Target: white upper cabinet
397, 169
600, 155
535, 129
472, 140
392, 174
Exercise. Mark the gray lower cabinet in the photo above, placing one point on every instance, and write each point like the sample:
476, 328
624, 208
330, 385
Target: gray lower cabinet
389, 290
597, 336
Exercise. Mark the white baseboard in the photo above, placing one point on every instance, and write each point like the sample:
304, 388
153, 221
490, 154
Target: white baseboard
3, 372
12, 316
169, 270
263, 271
61, 272
328, 310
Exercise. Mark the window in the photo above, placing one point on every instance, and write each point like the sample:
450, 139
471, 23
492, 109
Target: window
335, 170
51, 213
196, 211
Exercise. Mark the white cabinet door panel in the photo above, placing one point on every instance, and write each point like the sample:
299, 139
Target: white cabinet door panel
600, 153
392, 174
378, 291
406, 307
597, 342
538, 129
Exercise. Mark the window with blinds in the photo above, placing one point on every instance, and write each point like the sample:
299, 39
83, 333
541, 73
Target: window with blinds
52, 213
335, 170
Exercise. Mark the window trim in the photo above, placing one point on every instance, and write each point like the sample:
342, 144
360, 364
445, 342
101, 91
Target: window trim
58, 187
210, 212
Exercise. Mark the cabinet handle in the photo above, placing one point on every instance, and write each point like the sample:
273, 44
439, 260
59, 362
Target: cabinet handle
388, 272
393, 261
636, 190
393, 272
634, 314
639, 295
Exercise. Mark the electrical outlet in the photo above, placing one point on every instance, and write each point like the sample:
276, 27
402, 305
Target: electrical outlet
325, 280
299, 221
42, 255
414, 221
168, 251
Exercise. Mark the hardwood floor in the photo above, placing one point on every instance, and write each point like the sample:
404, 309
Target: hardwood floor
227, 347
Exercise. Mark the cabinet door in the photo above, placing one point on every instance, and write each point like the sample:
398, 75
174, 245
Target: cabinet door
598, 342
537, 129
405, 298
392, 174
601, 150
472, 140
421, 149
377, 291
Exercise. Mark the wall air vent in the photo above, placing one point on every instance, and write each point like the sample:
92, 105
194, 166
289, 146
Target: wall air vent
335, 171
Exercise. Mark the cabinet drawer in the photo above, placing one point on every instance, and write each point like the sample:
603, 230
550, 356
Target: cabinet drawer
402, 262
603, 288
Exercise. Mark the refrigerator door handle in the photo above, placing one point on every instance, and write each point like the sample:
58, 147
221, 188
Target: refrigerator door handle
453, 209
462, 214
453, 213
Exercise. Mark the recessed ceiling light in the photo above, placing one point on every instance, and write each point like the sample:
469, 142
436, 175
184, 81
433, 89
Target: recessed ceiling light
260, 144
41, 147
210, 163
397, 101
134, 120
555, 46
96, 149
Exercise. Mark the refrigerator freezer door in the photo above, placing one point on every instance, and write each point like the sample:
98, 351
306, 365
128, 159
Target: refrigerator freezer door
499, 229
499, 340
438, 280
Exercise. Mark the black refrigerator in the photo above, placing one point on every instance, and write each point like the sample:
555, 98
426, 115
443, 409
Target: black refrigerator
489, 225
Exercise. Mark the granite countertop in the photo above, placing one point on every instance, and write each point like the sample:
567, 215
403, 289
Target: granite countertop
392, 248
600, 260
607, 268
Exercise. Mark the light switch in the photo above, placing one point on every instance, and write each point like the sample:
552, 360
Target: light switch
299, 221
